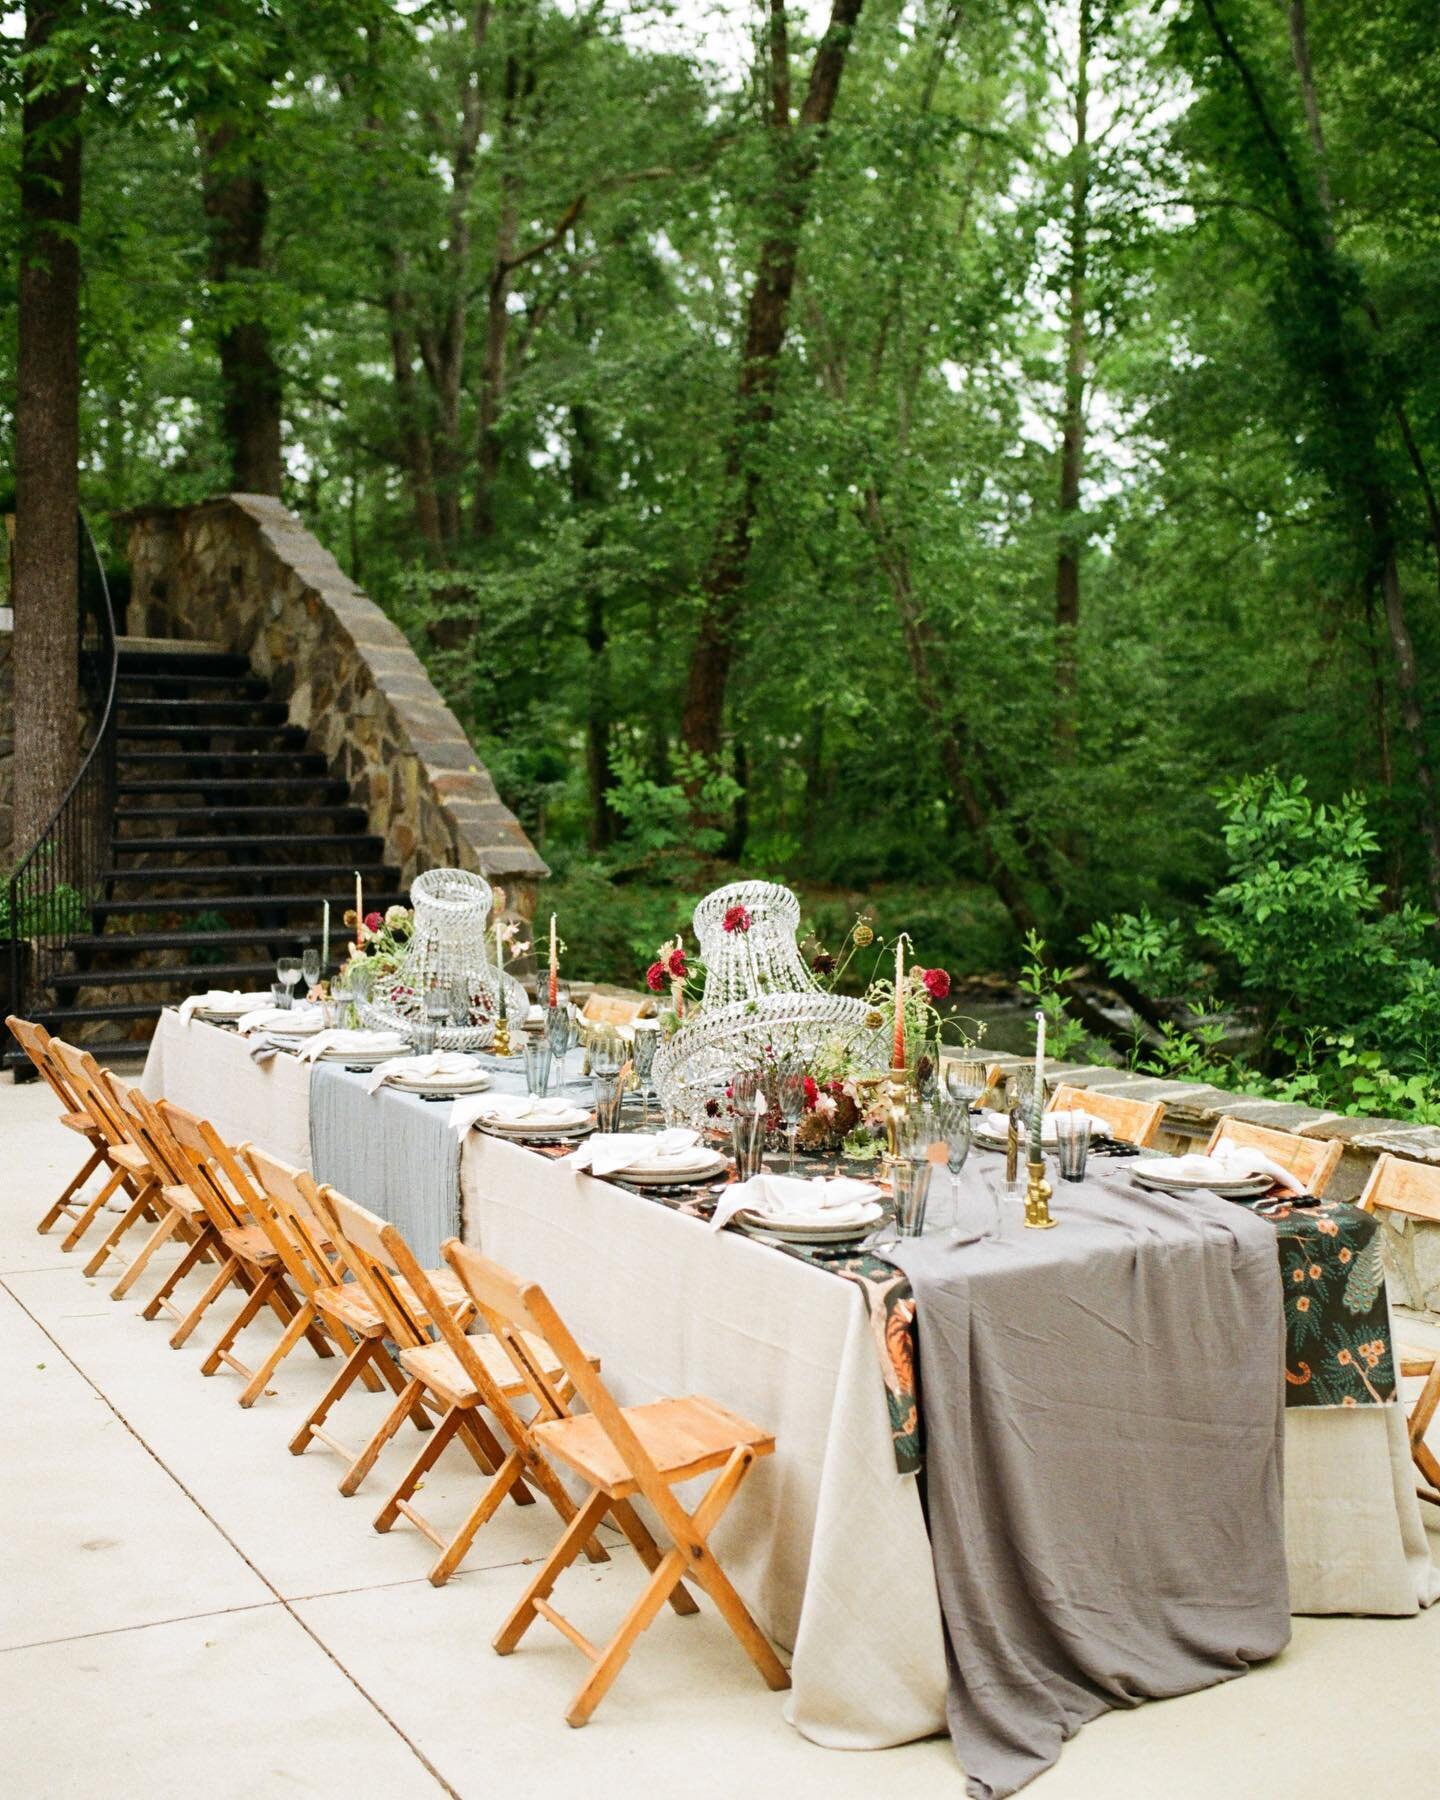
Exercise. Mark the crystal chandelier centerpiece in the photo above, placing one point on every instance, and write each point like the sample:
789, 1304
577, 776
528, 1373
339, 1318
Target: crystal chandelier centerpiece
448, 951
760, 1000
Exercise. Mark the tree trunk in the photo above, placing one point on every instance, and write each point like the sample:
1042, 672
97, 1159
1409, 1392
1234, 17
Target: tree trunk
599, 776
237, 206
47, 447
767, 316
1072, 435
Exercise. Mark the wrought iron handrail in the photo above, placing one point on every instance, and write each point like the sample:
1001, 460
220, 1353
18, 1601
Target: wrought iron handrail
62, 875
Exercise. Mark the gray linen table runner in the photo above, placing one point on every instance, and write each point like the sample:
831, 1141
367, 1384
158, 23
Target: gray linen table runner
1104, 1412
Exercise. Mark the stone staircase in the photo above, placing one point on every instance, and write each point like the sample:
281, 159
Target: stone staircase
230, 832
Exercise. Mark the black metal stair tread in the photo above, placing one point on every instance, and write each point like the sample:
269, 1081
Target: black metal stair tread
188, 784
126, 942
250, 734
220, 903
370, 869
80, 1015
339, 811
246, 841
201, 975
184, 679
311, 761
263, 712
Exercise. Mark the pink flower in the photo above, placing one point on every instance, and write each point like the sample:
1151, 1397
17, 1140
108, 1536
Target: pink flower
937, 983
736, 919
655, 978
825, 1105
675, 963
374, 921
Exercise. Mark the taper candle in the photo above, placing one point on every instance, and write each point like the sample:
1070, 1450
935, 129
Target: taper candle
502, 1003
359, 907
1037, 1105
554, 990
897, 1051
325, 941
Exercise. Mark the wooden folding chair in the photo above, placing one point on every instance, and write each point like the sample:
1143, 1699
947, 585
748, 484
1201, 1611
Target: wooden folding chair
247, 1259
176, 1209
620, 1452
357, 1305
1312, 1161
77, 1082
1413, 1190
35, 1041
1131, 1121
461, 1374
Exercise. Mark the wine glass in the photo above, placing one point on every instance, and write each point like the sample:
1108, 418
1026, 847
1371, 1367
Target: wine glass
287, 971
955, 1129
965, 1079
310, 967
790, 1093
643, 1054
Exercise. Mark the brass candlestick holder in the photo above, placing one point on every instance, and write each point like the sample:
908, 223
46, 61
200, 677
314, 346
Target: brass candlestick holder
501, 1044
1037, 1197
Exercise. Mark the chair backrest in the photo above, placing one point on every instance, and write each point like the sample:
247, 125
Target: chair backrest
360, 1238
83, 1076
1310, 1160
1398, 1185
509, 1307
286, 1205
147, 1130
1133, 1121
212, 1170
35, 1041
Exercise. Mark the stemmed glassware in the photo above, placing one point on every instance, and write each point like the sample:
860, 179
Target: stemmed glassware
954, 1118
790, 1094
310, 967
287, 968
642, 1054
965, 1079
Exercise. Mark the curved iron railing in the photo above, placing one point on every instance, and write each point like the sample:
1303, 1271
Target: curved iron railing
63, 874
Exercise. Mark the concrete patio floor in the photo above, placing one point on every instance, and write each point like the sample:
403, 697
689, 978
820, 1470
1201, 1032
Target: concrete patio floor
186, 1608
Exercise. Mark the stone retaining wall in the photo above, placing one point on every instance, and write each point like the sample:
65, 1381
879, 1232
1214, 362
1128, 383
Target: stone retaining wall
243, 571
1193, 1110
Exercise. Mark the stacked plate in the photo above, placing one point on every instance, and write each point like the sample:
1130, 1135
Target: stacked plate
806, 1212
697, 1166
473, 1080
991, 1131
226, 1008
1164, 1174
560, 1122
813, 1231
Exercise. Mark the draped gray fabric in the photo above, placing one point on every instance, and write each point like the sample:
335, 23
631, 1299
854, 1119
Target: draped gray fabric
388, 1151
1104, 1414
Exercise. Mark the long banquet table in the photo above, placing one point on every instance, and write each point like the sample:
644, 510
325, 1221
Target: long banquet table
826, 1542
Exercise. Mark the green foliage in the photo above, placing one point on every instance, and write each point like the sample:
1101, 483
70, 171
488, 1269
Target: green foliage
61, 910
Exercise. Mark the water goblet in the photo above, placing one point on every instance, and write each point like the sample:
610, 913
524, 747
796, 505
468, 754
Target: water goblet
965, 1079
537, 1065
437, 1011
288, 970
955, 1131
642, 1053
310, 969
460, 1003
790, 1096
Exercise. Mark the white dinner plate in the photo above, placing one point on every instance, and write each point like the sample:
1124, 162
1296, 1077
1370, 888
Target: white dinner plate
466, 1081
680, 1174
1250, 1188
987, 1141
794, 1231
566, 1125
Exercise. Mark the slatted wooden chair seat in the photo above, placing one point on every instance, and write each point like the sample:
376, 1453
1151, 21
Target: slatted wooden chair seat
250, 1243
347, 1303
620, 1452
443, 1371
1413, 1191
682, 1438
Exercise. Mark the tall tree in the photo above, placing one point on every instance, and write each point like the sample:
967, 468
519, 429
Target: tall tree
1072, 424
47, 427
767, 317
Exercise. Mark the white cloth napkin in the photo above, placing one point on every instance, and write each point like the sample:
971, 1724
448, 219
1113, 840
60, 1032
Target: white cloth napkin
512, 1109
790, 1200
1229, 1162
393, 1043
294, 1021
997, 1124
610, 1152
438, 1062
226, 1000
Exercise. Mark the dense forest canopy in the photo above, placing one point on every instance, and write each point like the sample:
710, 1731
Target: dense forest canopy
930, 444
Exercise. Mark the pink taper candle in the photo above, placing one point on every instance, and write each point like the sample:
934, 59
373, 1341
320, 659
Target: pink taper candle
897, 1054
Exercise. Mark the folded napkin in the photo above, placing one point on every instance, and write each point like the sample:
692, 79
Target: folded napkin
1228, 1162
610, 1152
997, 1124
789, 1200
226, 1000
360, 1043
438, 1062
294, 1021
512, 1109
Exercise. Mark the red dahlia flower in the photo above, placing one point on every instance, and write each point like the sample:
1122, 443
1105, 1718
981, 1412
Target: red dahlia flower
374, 921
812, 1092
675, 963
655, 978
736, 919
937, 983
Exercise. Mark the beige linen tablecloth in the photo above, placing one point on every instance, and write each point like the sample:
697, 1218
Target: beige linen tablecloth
211, 1072
826, 1542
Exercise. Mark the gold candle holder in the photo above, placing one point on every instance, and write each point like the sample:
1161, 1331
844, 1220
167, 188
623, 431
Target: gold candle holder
501, 1044
1037, 1198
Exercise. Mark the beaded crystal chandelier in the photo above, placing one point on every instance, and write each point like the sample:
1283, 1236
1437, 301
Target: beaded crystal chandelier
448, 953
760, 1001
